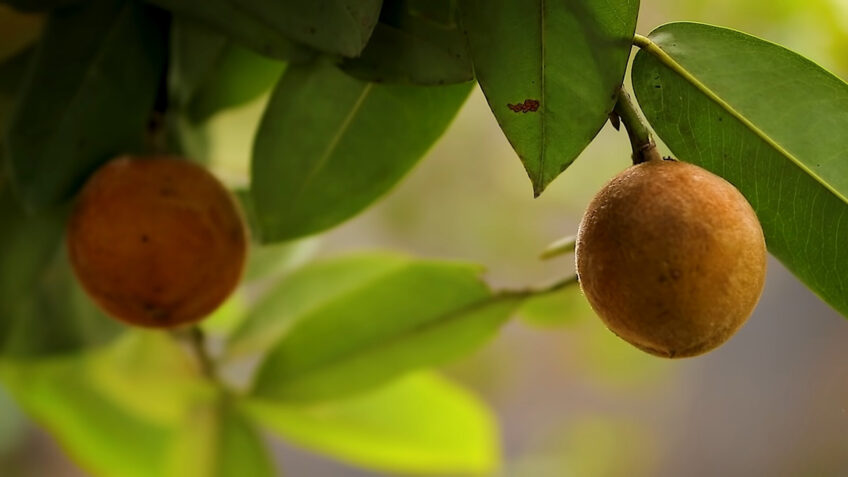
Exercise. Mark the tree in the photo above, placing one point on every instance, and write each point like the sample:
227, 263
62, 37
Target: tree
360, 91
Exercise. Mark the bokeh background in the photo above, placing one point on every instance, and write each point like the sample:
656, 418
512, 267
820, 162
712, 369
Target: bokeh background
571, 399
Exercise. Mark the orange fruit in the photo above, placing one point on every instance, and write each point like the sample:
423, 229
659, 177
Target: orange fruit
156, 241
671, 257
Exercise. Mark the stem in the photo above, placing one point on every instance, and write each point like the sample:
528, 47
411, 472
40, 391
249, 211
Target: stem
560, 247
197, 340
644, 148
554, 287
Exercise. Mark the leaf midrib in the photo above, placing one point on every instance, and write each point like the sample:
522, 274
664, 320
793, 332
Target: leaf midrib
669, 62
330, 150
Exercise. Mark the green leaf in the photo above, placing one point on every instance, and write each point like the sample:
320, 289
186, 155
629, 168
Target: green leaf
407, 47
194, 52
88, 98
215, 440
238, 77
769, 121
42, 308
226, 17
550, 71
11, 75
210, 72
377, 318
333, 26
421, 423
329, 145
116, 410
101, 436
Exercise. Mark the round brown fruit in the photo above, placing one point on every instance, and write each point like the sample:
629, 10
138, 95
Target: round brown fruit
671, 257
156, 241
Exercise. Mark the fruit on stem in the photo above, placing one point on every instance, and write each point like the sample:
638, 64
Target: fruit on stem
671, 257
156, 241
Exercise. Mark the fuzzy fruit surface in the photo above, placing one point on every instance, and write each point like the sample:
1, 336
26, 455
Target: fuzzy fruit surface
156, 241
671, 257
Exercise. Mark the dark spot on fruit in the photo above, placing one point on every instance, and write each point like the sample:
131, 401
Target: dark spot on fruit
528, 106
145, 239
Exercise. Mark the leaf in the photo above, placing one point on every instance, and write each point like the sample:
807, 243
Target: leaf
329, 145
407, 47
333, 26
225, 17
194, 51
210, 72
769, 121
216, 441
362, 321
116, 410
88, 98
421, 423
11, 78
42, 308
306, 289
101, 436
238, 77
550, 71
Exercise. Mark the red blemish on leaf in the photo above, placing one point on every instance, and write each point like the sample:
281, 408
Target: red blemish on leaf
528, 106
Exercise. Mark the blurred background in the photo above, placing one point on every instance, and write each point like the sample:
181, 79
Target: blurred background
572, 399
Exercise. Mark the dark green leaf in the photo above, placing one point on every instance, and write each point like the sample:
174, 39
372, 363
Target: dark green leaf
216, 441
89, 97
769, 121
420, 424
11, 75
253, 32
210, 73
410, 48
42, 308
37, 5
239, 76
334, 26
194, 52
550, 71
329, 145
381, 317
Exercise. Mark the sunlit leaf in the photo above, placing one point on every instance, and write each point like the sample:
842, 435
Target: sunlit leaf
419, 424
550, 71
115, 411
329, 145
375, 320
769, 121
89, 97
216, 441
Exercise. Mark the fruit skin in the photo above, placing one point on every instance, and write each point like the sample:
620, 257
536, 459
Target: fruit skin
156, 241
671, 257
